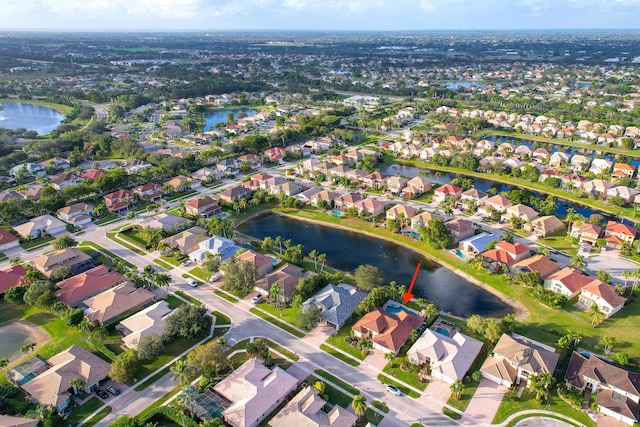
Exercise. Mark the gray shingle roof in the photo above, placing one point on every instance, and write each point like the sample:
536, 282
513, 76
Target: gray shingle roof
337, 302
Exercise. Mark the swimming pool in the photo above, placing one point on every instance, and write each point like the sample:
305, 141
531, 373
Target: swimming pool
413, 234
395, 308
442, 331
336, 213
459, 254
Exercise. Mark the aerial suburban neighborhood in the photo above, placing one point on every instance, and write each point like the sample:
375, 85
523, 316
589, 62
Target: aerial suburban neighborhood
319, 230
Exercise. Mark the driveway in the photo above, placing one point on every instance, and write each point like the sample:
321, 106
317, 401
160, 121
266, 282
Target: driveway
611, 262
485, 402
437, 391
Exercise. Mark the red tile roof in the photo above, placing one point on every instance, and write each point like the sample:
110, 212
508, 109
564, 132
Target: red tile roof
606, 292
616, 227
392, 330
6, 237
11, 277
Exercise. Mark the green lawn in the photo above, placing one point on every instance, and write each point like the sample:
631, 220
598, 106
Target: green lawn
171, 350
277, 322
221, 318
287, 314
337, 381
232, 299
380, 406
122, 241
97, 417
174, 260
339, 342
528, 401
189, 298
173, 301
405, 390
200, 274
107, 219
161, 263
339, 355
451, 414
35, 243
106, 252
177, 196
79, 413
372, 417
394, 369
560, 241
3, 257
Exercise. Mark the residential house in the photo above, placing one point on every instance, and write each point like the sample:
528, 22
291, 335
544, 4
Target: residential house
187, 241
75, 259
78, 214
149, 192
92, 174
476, 244
524, 212
115, 302
601, 166
336, 303
135, 166
5, 196
286, 277
254, 391
625, 193
149, 321
251, 160
568, 282
447, 190
307, 409
53, 386
346, 201
473, 195
227, 167
625, 233
84, 285
624, 169
287, 188
118, 201
396, 211
166, 222
545, 225
516, 358
8, 240
387, 331
205, 207
539, 264
375, 180
586, 232
183, 183
225, 248
207, 175
356, 175
559, 159
40, 225
65, 180
56, 163
507, 253
305, 196
416, 186
234, 194
263, 264
326, 196
617, 389
496, 203
338, 172
579, 163
11, 277
604, 295
275, 154
370, 206
422, 219
28, 170
597, 186
449, 355
395, 184
7, 420
460, 229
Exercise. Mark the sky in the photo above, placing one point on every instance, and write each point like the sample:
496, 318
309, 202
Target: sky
358, 15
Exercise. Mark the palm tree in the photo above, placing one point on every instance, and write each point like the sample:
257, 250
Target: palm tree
77, 384
597, 315
322, 258
541, 385
578, 262
148, 272
314, 256
164, 247
430, 311
181, 372
187, 397
626, 275
390, 356
162, 280
274, 295
636, 278
359, 405
456, 389
4, 362
608, 343
278, 241
242, 204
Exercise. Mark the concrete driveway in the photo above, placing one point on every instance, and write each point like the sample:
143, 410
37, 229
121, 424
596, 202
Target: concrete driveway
438, 391
485, 402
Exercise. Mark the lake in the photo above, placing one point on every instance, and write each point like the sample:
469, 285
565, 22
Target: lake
346, 250
220, 116
11, 339
17, 115
462, 83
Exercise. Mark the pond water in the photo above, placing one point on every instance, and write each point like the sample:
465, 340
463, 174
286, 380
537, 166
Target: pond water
17, 115
346, 250
462, 83
11, 339
483, 184
220, 116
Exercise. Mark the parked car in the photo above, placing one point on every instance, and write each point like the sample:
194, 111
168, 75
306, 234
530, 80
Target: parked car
256, 299
192, 282
102, 394
185, 263
113, 390
393, 389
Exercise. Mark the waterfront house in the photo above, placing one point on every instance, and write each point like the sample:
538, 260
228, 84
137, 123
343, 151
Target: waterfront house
545, 225
84, 285
601, 166
336, 303
604, 295
586, 233
286, 277
370, 206
568, 282
395, 184
11, 277
579, 163
401, 211
254, 391
75, 259
497, 203
539, 264
523, 212
375, 180
617, 389
625, 193
624, 232
476, 196
416, 186
449, 354
263, 264
388, 331
325, 195
346, 201
422, 219
460, 229
506, 253
53, 386
205, 207
447, 190
115, 302
515, 358
476, 244
149, 321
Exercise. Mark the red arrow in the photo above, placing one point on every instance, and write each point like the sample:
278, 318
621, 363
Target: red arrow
408, 295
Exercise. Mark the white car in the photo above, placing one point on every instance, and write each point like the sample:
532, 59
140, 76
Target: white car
191, 282
393, 389
256, 299
185, 263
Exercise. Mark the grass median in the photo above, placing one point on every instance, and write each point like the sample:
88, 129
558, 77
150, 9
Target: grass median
276, 322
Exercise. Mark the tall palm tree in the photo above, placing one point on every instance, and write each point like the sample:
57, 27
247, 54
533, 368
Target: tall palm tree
626, 275
181, 372
162, 280
359, 405
578, 262
278, 241
541, 384
322, 258
430, 311
597, 315
77, 384
314, 256
456, 389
